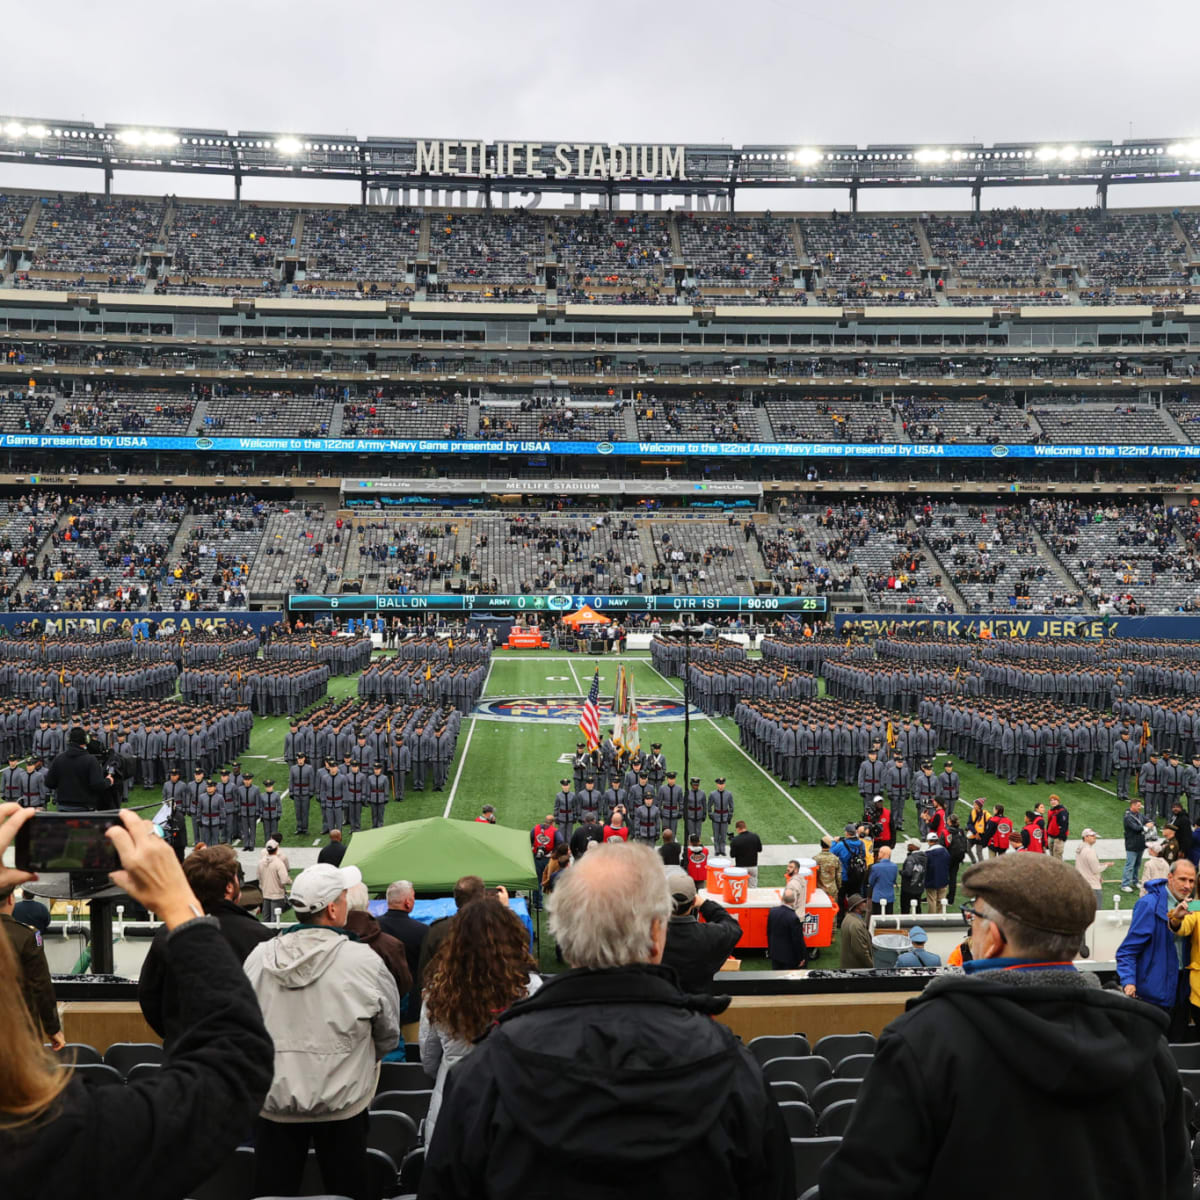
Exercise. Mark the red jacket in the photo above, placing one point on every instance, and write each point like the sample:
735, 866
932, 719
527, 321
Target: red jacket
696, 862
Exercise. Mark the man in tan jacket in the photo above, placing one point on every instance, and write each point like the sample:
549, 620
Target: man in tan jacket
273, 878
1088, 864
854, 940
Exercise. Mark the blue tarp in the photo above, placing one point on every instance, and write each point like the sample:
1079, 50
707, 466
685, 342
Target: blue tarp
428, 911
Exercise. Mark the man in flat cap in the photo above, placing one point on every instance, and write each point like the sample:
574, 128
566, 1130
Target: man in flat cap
1024, 1038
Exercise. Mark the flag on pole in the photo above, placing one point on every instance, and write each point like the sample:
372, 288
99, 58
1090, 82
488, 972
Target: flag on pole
891, 734
450, 641
785, 673
589, 720
428, 672
632, 738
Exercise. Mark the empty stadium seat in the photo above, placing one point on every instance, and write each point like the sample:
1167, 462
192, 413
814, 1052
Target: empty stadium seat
410, 1170
1191, 1081
402, 1077
799, 1118
808, 1072
412, 1052
97, 1073
414, 1104
836, 1046
767, 1047
124, 1056
835, 1118
833, 1090
787, 1091
79, 1052
808, 1156
144, 1070
854, 1067
395, 1133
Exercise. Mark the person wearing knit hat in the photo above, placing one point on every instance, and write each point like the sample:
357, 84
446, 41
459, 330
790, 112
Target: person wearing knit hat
1023, 1031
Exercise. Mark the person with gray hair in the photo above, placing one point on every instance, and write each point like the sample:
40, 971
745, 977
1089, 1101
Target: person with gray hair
786, 947
411, 933
579, 1065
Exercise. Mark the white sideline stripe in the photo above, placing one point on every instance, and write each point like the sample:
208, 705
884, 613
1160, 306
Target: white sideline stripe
462, 762
758, 767
1099, 788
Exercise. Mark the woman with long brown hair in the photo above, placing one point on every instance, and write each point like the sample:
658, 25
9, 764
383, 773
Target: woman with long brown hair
60, 1138
481, 968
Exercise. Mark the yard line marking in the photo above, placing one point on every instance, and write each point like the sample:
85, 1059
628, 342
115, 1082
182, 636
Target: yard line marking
790, 838
466, 747
461, 763
574, 676
1098, 787
757, 766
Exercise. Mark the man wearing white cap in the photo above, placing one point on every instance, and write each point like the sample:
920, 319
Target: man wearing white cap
1088, 864
333, 1010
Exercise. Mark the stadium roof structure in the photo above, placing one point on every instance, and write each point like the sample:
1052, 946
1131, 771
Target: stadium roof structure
573, 166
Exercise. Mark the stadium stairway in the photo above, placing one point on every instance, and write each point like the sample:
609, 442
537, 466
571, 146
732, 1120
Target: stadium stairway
31, 219
473, 415
1060, 570
337, 420
629, 424
676, 242
423, 239
1178, 230
927, 259
801, 250
1173, 425
196, 425
951, 592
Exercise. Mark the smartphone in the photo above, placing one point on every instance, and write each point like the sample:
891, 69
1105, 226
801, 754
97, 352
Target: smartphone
494, 893
71, 842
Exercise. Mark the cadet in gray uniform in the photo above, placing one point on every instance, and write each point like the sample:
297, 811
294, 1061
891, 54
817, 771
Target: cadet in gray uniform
272, 810
1124, 758
720, 813
670, 804
377, 795
695, 809
301, 780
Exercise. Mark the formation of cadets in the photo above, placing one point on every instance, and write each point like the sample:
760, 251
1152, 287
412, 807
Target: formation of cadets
342, 655
357, 755
425, 680
75, 687
638, 795
717, 689
461, 650
268, 689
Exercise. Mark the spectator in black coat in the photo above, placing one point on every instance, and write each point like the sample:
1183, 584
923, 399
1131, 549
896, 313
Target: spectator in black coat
215, 877
335, 851
400, 923
696, 950
77, 779
579, 1065
786, 947
61, 1138
1093, 1065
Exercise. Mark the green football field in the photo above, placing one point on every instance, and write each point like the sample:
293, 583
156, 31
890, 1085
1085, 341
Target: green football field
515, 765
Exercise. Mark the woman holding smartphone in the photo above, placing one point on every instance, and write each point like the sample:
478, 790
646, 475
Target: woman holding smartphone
60, 1138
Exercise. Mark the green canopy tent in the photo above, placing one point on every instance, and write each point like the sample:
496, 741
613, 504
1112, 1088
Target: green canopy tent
435, 853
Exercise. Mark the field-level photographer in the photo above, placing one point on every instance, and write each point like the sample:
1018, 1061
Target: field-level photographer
62, 1139
77, 779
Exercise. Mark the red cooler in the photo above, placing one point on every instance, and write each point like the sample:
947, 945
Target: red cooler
818, 920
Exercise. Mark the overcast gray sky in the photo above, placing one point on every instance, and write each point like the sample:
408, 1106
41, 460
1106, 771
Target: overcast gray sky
757, 71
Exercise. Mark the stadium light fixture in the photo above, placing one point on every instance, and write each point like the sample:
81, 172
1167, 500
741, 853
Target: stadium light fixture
14, 130
930, 155
1047, 153
152, 138
807, 157
37, 131
288, 145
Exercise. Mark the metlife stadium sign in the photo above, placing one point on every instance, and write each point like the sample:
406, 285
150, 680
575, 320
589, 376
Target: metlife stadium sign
287, 445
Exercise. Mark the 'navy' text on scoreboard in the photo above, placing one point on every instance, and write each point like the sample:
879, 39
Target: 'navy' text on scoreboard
556, 604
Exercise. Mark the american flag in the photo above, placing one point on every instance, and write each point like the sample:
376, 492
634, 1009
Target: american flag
589, 721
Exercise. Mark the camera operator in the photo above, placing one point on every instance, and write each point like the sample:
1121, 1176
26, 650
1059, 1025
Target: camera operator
77, 779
